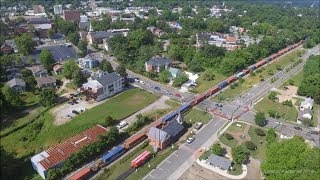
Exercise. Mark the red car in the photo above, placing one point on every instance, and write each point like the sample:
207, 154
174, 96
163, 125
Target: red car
178, 95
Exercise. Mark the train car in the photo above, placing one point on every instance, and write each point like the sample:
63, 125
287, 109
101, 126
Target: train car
183, 108
141, 159
134, 140
261, 63
113, 154
268, 59
240, 74
169, 116
246, 71
252, 67
82, 174
213, 90
231, 79
223, 84
198, 99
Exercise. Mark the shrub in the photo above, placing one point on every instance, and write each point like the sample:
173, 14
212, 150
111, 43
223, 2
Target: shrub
217, 149
250, 145
228, 136
260, 132
272, 96
288, 103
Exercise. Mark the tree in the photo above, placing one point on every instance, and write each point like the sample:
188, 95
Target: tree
82, 45
50, 33
11, 96
217, 149
109, 121
294, 156
74, 37
238, 155
47, 97
260, 119
164, 76
271, 135
46, 59
180, 79
250, 145
208, 75
30, 83
121, 70
272, 96
31, 60
228, 136
77, 78
25, 44
106, 66
259, 132
69, 68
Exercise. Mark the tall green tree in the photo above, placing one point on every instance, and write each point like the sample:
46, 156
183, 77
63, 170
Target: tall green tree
25, 44
217, 149
69, 68
47, 97
11, 97
260, 119
164, 76
105, 66
239, 155
74, 37
46, 58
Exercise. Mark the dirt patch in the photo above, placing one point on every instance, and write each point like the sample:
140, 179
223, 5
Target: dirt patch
254, 171
287, 94
243, 136
135, 99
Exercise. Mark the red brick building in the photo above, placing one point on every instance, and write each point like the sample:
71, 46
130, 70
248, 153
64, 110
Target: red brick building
71, 16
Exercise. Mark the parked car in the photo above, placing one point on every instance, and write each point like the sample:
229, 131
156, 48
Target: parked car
197, 126
157, 88
219, 105
69, 116
298, 128
177, 95
190, 140
142, 82
314, 132
122, 124
75, 112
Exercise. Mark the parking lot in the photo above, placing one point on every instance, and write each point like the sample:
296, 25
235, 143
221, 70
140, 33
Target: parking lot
59, 53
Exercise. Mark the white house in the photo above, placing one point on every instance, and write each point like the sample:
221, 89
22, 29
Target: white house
305, 110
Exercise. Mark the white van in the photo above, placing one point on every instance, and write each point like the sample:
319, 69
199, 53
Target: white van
122, 124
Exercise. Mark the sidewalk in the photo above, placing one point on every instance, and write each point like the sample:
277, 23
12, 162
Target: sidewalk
216, 170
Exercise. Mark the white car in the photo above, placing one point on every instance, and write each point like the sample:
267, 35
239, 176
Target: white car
142, 82
122, 124
190, 139
197, 126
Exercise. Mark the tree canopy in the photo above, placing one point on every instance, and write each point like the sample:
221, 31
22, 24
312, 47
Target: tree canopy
69, 68
47, 97
46, 58
291, 159
260, 119
25, 44
105, 66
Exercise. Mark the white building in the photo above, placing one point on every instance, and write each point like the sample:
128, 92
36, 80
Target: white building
103, 87
57, 9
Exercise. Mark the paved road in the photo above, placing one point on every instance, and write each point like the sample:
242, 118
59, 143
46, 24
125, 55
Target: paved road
179, 161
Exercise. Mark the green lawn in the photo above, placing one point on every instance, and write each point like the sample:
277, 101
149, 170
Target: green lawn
35, 138
121, 166
315, 113
235, 129
236, 169
230, 143
20, 120
204, 85
197, 116
285, 112
205, 155
297, 79
250, 81
29, 99
260, 152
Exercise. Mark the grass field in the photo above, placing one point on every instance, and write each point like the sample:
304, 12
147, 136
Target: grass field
297, 79
42, 133
285, 112
230, 143
20, 120
197, 116
260, 152
250, 81
235, 129
236, 169
121, 166
204, 85
29, 99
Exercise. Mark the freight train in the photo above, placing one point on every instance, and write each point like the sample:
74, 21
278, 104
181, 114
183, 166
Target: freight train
116, 152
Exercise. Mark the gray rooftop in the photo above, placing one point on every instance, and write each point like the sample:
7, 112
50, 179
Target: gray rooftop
158, 134
16, 82
101, 34
218, 161
109, 78
159, 61
173, 128
45, 80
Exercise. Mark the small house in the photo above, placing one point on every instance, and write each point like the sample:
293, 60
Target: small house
38, 71
222, 163
158, 138
156, 63
46, 82
17, 84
